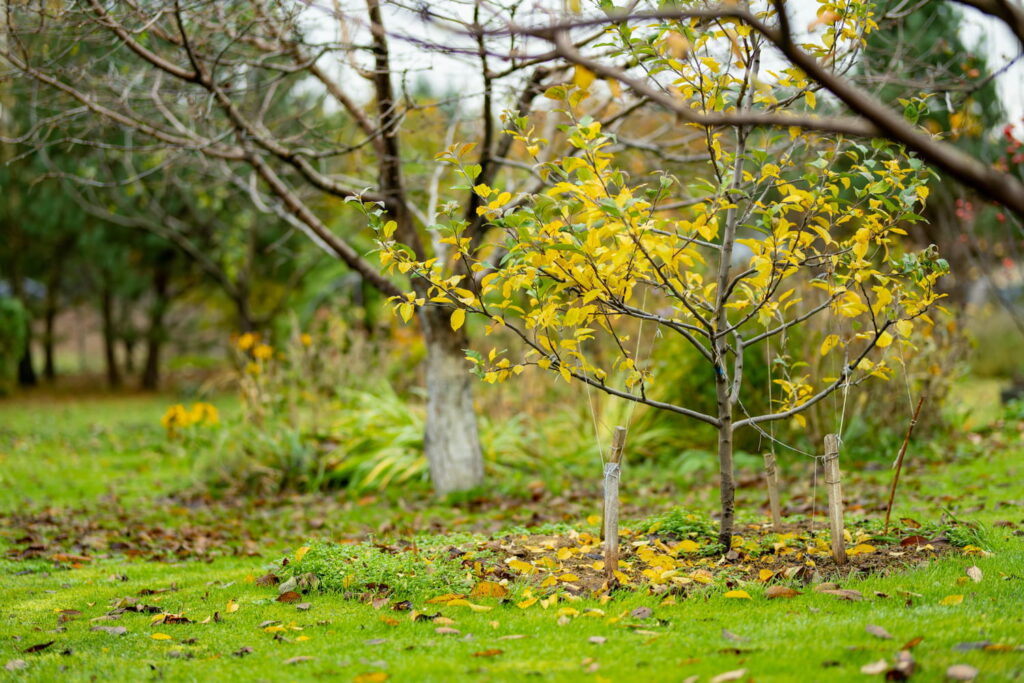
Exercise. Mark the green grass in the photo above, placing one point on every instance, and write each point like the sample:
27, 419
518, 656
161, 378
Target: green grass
67, 454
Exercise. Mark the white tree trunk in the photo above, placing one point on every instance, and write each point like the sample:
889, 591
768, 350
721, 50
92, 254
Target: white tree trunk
452, 443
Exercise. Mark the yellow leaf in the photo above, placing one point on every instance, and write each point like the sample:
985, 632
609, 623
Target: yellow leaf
458, 318
301, 552
739, 595
522, 567
688, 546
811, 100
582, 77
488, 589
303, 638
765, 574
526, 603
447, 597
830, 343
568, 578
860, 549
232, 606
951, 600
164, 636
375, 677
905, 328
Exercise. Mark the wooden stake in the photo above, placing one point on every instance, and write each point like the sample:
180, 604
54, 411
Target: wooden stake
771, 476
612, 472
899, 463
833, 480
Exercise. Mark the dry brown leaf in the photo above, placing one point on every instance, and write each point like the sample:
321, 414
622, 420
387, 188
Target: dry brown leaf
488, 653
289, 596
780, 592
878, 632
845, 594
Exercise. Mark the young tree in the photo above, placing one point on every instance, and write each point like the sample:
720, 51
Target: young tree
820, 218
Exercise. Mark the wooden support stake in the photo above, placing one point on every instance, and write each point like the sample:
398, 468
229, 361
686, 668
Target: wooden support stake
899, 463
833, 480
771, 476
612, 472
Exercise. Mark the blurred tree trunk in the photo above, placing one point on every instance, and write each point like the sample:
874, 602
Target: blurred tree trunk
50, 311
157, 333
109, 334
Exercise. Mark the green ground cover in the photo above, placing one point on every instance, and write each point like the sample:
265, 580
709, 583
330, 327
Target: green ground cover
100, 518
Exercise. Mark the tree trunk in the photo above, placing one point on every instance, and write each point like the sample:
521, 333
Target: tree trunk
451, 442
49, 339
727, 488
156, 333
128, 344
110, 337
50, 311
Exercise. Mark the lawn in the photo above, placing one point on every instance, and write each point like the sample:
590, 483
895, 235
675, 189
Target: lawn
115, 568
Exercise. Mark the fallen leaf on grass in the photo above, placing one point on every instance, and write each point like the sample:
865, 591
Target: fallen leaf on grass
488, 653
961, 672
845, 594
903, 669
112, 630
241, 652
375, 677
737, 595
466, 603
975, 573
289, 596
642, 612
447, 631
233, 606
780, 592
875, 668
16, 665
299, 659
39, 647
513, 636
597, 640
729, 676
268, 579
951, 600
160, 636
446, 598
878, 632
303, 606
301, 552
729, 635
488, 589
912, 643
